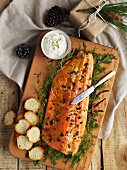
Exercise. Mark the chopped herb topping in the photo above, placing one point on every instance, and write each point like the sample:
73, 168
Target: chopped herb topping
76, 134
58, 140
63, 86
79, 117
61, 134
78, 108
57, 112
43, 93
51, 122
67, 118
74, 84
86, 64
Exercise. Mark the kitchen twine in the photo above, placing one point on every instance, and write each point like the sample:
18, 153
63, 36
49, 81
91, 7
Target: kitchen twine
92, 16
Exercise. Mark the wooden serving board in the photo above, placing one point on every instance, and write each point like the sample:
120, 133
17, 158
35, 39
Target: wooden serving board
40, 64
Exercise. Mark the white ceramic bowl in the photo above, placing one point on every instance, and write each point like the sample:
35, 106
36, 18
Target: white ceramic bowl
66, 49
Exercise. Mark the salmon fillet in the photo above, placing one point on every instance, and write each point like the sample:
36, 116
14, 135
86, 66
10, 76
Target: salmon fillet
64, 123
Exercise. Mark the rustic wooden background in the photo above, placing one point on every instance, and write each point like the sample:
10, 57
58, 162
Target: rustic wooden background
109, 155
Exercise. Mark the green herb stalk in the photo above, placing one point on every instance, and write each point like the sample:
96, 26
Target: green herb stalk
114, 14
43, 93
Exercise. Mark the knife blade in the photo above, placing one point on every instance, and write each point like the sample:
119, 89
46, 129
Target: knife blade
87, 92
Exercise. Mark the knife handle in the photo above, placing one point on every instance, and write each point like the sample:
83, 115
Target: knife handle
105, 78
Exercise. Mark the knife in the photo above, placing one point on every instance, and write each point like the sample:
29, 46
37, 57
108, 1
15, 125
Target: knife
87, 92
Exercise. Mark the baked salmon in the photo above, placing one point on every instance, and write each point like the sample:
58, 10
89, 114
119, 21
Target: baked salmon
64, 123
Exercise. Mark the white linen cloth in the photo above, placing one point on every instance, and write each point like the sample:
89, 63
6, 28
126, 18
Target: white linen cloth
22, 22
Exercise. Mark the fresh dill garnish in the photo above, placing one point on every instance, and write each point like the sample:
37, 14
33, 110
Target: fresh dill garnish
40, 115
39, 143
40, 125
53, 155
27, 154
92, 121
98, 68
37, 163
43, 93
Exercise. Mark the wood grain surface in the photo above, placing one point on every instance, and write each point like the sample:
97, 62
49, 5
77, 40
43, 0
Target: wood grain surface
109, 155
39, 64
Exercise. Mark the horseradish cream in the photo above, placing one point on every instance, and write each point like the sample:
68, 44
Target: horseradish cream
55, 44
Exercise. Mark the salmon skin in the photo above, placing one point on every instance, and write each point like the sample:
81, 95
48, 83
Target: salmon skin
64, 123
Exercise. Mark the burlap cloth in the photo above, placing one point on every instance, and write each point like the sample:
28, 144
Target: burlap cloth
22, 21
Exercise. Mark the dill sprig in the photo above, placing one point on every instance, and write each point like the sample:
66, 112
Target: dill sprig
114, 14
37, 163
43, 93
98, 68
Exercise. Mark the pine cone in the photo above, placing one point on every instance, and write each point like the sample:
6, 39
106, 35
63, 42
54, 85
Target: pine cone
23, 51
55, 16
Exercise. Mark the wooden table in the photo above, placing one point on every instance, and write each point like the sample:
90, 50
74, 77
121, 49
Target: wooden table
109, 155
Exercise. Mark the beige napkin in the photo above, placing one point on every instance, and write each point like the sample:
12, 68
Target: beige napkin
22, 22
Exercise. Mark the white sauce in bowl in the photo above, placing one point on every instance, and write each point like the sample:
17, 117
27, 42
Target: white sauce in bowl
55, 45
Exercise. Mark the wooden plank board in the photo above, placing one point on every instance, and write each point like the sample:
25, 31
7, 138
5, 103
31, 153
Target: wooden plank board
40, 64
29, 165
115, 147
9, 96
96, 159
8, 100
4, 4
